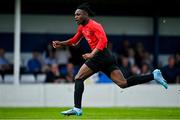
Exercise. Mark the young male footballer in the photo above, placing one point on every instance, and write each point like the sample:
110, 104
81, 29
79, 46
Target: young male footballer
99, 59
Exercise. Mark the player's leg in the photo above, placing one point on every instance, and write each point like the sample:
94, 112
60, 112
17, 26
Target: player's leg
110, 68
119, 79
84, 72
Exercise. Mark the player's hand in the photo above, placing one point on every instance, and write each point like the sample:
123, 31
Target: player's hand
56, 44
87, 56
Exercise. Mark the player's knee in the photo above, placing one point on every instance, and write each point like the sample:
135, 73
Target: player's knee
79, 77
122, 84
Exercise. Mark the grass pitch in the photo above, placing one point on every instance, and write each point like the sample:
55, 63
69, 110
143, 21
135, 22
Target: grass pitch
92, 113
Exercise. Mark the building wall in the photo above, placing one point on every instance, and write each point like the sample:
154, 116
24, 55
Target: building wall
113, 25
39, 30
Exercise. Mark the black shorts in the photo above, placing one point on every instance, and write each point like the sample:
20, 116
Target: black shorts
103, 61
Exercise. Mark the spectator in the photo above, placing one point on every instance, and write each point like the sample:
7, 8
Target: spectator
169, 71
139, 53
125, 66
135, 70
110, 46
50, 59
54, 75
145, 69
5, 66
124, 48
131, 56
177, 57
146, 58
62, 55
70, 73
35, 63
48, 50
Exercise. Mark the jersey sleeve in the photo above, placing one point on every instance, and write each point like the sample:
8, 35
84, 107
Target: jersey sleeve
77, 37
101, 36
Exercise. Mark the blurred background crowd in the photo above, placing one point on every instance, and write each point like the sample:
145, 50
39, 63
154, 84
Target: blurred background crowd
140, 38
62, 64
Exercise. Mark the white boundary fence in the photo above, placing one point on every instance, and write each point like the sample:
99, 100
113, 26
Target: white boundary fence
95, 95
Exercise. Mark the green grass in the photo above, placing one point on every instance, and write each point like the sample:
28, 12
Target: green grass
92, 113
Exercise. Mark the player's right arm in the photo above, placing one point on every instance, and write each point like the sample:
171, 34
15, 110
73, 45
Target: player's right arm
70, 42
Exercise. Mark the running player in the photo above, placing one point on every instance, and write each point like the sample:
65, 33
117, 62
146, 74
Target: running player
99, 59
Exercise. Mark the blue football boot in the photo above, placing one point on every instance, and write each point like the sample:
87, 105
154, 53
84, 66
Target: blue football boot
159, 78
73, 111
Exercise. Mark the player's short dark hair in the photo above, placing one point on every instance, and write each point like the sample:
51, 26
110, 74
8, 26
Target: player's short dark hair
86, 7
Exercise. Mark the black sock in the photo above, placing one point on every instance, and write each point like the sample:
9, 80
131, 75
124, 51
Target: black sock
139, 79
79, 88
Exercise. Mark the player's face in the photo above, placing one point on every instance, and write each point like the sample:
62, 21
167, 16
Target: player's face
80, 16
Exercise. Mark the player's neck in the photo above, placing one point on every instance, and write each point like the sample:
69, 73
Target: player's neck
85, 22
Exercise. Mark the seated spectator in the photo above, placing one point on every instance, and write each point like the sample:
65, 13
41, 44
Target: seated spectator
54, 75
131, 56
125, 66
62, 55
5, 66
70, 72
139, 53
147, 59
123, 51
169, 71
110, 47
51, 59
48, 50
145, 69
177, 57
135, 70
35, 63
48, 61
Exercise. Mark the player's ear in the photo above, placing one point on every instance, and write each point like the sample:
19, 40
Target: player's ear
85, 13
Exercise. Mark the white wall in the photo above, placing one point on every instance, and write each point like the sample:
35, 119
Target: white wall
61, 24
95, 95
169, 26
6, 23
127, 25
